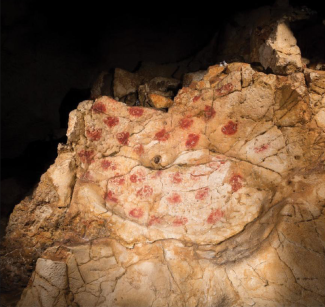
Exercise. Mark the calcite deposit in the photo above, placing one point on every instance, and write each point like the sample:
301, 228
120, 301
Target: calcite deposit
218, 202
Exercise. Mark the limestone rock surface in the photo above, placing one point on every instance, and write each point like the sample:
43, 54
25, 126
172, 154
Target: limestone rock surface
218, 202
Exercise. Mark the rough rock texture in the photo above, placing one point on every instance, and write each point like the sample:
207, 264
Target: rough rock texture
219, 202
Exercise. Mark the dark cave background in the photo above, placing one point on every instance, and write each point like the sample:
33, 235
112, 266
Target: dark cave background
52, 53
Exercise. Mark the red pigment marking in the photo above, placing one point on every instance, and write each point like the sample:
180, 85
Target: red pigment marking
230, 128
86, 156
123, 137
154, 220
105, 164
196, 98
195, 177
111, 121
99, 107
117, 181
225, 89
176, 178
192, 140
133, 178
121, 181
174, 199
262, 148
162, 135
209, 113
235, 182
156, 175
110, 196
94, 134
202, 194
136, 111
136, 212
146, 191
179, 221
185, 123
138, 149
215, 216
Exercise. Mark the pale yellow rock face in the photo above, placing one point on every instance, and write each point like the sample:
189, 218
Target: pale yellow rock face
280, 51
219, 202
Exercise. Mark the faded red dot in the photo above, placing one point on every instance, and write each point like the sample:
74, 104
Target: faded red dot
111, 197
156, 175
202, 194
111, 121
86, 156
162, 135
99, 107
174, 199
185, 123
94, 134
176, 178
154, 220
261, 148
146, 191
134, 111
179, 221
215, 216
123, 137
225, 89
192, 140
136, 212
235, 182
133, 178
209, 113
121, 181
138, 149
196, 98
105, 164
230, 128
117, 181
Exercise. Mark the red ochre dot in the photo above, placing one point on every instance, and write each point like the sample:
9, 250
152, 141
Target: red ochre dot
86, 156
146, 191
209, 113
162, 135
133, 178
123, 137
235, 182
202, 194
110, 196
196, 98
261, 148
105, 164
136, 212
154, 220
111, 121
174, 199
176, 178
138, 149
99, 107
192, 140
94, 134
215, 216
230, 128
136, 111
225, 89
185, 123
179, 221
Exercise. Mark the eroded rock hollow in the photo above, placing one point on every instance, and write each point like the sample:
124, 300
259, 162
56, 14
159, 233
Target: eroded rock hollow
217, 202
